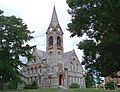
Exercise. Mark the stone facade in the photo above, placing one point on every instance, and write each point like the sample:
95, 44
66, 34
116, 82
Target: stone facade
54, 68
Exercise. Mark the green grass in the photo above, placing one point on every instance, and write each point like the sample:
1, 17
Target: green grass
33, 90
92, 90
58, 90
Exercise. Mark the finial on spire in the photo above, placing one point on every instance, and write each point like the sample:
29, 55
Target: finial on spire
54, 19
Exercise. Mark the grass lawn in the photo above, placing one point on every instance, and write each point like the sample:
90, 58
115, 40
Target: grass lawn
33, 90
57, 90
92, 90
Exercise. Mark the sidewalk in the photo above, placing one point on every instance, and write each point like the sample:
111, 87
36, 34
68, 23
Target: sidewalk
64, 90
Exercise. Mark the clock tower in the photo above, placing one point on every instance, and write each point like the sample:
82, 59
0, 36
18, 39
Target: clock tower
54, 43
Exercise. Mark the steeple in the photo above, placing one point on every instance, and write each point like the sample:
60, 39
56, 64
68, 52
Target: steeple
54, 41
54, 19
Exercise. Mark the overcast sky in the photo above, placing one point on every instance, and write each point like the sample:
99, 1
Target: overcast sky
37, 15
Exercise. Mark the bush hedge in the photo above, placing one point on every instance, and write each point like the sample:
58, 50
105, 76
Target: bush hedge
110, 85
33, 85
74, 85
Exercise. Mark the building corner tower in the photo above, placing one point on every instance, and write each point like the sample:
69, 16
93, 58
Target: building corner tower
54, 49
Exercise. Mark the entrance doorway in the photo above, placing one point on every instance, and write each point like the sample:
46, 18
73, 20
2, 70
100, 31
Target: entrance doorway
61, 79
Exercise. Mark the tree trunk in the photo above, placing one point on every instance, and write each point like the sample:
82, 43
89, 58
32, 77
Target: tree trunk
1, 86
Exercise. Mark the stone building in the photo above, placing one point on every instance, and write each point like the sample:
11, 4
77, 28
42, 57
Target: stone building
54, 68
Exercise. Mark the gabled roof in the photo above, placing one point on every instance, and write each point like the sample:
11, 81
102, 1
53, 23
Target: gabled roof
41, 54
67, 56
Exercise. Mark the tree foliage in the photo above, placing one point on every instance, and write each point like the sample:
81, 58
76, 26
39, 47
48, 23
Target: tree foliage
14, 34
99, 20
89, 80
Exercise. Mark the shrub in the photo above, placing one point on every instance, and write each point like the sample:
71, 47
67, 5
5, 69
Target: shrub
74, 85
11, 85
31, 86
110, 85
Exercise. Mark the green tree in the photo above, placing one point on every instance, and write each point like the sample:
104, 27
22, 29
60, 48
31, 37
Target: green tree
99, 20
14, 34
89, 80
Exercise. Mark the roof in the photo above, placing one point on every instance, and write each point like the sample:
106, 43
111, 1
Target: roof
67, 56
54, 19
41, 54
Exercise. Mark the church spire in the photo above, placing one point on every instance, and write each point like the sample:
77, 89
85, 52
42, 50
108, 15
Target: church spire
54, 19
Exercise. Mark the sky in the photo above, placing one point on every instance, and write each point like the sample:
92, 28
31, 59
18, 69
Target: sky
37, 15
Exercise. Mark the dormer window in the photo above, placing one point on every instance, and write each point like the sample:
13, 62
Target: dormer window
50, 41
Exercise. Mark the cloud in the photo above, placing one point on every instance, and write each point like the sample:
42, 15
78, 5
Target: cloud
37, 15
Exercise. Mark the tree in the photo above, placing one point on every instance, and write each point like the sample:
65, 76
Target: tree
14, 34
99, 20
89, 80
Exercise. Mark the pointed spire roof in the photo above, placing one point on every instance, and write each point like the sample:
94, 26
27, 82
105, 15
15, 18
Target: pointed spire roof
54, 19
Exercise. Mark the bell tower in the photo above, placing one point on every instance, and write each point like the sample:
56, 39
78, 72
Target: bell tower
54, 42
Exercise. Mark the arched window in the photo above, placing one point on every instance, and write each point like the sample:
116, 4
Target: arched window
71, 66
27, 80
35, 69
28, 71
39, 67
58, 41
50, 40
77, 67
71, 79
32, 70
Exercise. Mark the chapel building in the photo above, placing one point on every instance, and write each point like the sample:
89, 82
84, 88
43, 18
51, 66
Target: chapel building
54, 68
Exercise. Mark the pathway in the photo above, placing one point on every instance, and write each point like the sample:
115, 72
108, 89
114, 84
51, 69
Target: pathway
64, 90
